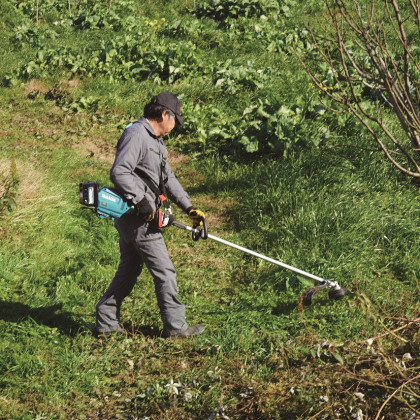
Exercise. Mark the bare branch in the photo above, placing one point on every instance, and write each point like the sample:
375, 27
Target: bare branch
404, 43
416, 11
392, 395
372, 64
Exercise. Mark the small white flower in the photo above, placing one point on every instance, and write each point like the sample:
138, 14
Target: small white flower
188, 396
359, 395
407, 357
358, 415
173, 387
323, 398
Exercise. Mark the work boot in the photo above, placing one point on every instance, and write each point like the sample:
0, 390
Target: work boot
107, 334
194, 330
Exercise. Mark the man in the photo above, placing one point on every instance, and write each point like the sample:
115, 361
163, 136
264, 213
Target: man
141, 172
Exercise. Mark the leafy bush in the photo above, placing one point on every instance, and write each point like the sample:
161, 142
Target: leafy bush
122, 58
65, 101
266, 126
222, 10
10, 16
32, 35
43, 10
96, 15
233, 79
84, 14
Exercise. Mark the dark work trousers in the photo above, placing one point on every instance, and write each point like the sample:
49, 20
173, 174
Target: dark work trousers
141, 243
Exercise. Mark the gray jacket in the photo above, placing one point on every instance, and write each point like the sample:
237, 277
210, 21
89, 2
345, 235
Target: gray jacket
139, 147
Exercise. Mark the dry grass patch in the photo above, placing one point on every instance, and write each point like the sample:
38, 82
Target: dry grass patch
73, 83
193, 258
31, 182
216, 210
5, 173
35, 85
177, 159
94, 148
187, 175
28, 196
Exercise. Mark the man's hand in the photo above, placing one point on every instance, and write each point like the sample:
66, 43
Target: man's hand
144, 210
197, 216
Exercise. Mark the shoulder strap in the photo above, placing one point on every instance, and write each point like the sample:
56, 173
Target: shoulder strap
152, 186
147, 181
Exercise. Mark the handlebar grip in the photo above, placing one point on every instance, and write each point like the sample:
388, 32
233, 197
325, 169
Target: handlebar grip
204, 231
195, 235
200, 233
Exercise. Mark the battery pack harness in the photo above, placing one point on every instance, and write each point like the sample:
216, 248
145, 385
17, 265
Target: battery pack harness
161, 219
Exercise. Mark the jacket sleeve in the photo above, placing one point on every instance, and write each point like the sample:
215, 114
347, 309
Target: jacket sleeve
175, 192
129, 153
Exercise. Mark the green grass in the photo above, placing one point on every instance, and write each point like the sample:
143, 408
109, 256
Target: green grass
56, 260
337, 211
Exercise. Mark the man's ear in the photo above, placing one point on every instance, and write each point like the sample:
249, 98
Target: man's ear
160, 119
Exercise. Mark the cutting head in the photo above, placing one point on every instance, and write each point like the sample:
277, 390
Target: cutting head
336, 292
307, 296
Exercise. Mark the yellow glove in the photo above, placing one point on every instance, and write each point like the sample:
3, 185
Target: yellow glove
197, 216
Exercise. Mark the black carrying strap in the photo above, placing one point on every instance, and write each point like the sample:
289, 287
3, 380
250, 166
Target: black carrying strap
159, 191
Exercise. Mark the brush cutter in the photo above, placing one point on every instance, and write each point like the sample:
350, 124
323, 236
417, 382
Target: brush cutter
336, 291
107, 202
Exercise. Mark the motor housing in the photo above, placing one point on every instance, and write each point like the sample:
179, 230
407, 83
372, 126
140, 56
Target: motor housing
111, 204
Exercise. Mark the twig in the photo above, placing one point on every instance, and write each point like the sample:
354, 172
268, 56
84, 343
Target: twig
317, 414
399, 388
393, 331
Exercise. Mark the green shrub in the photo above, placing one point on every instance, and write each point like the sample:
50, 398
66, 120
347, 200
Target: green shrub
222, 10
10, 16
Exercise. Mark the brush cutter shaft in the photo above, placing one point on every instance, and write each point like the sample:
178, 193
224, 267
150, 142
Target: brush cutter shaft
263, 257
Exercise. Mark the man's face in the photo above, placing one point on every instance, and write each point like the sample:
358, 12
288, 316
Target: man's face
168, 123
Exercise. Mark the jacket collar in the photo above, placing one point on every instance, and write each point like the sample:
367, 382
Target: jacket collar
143, 121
